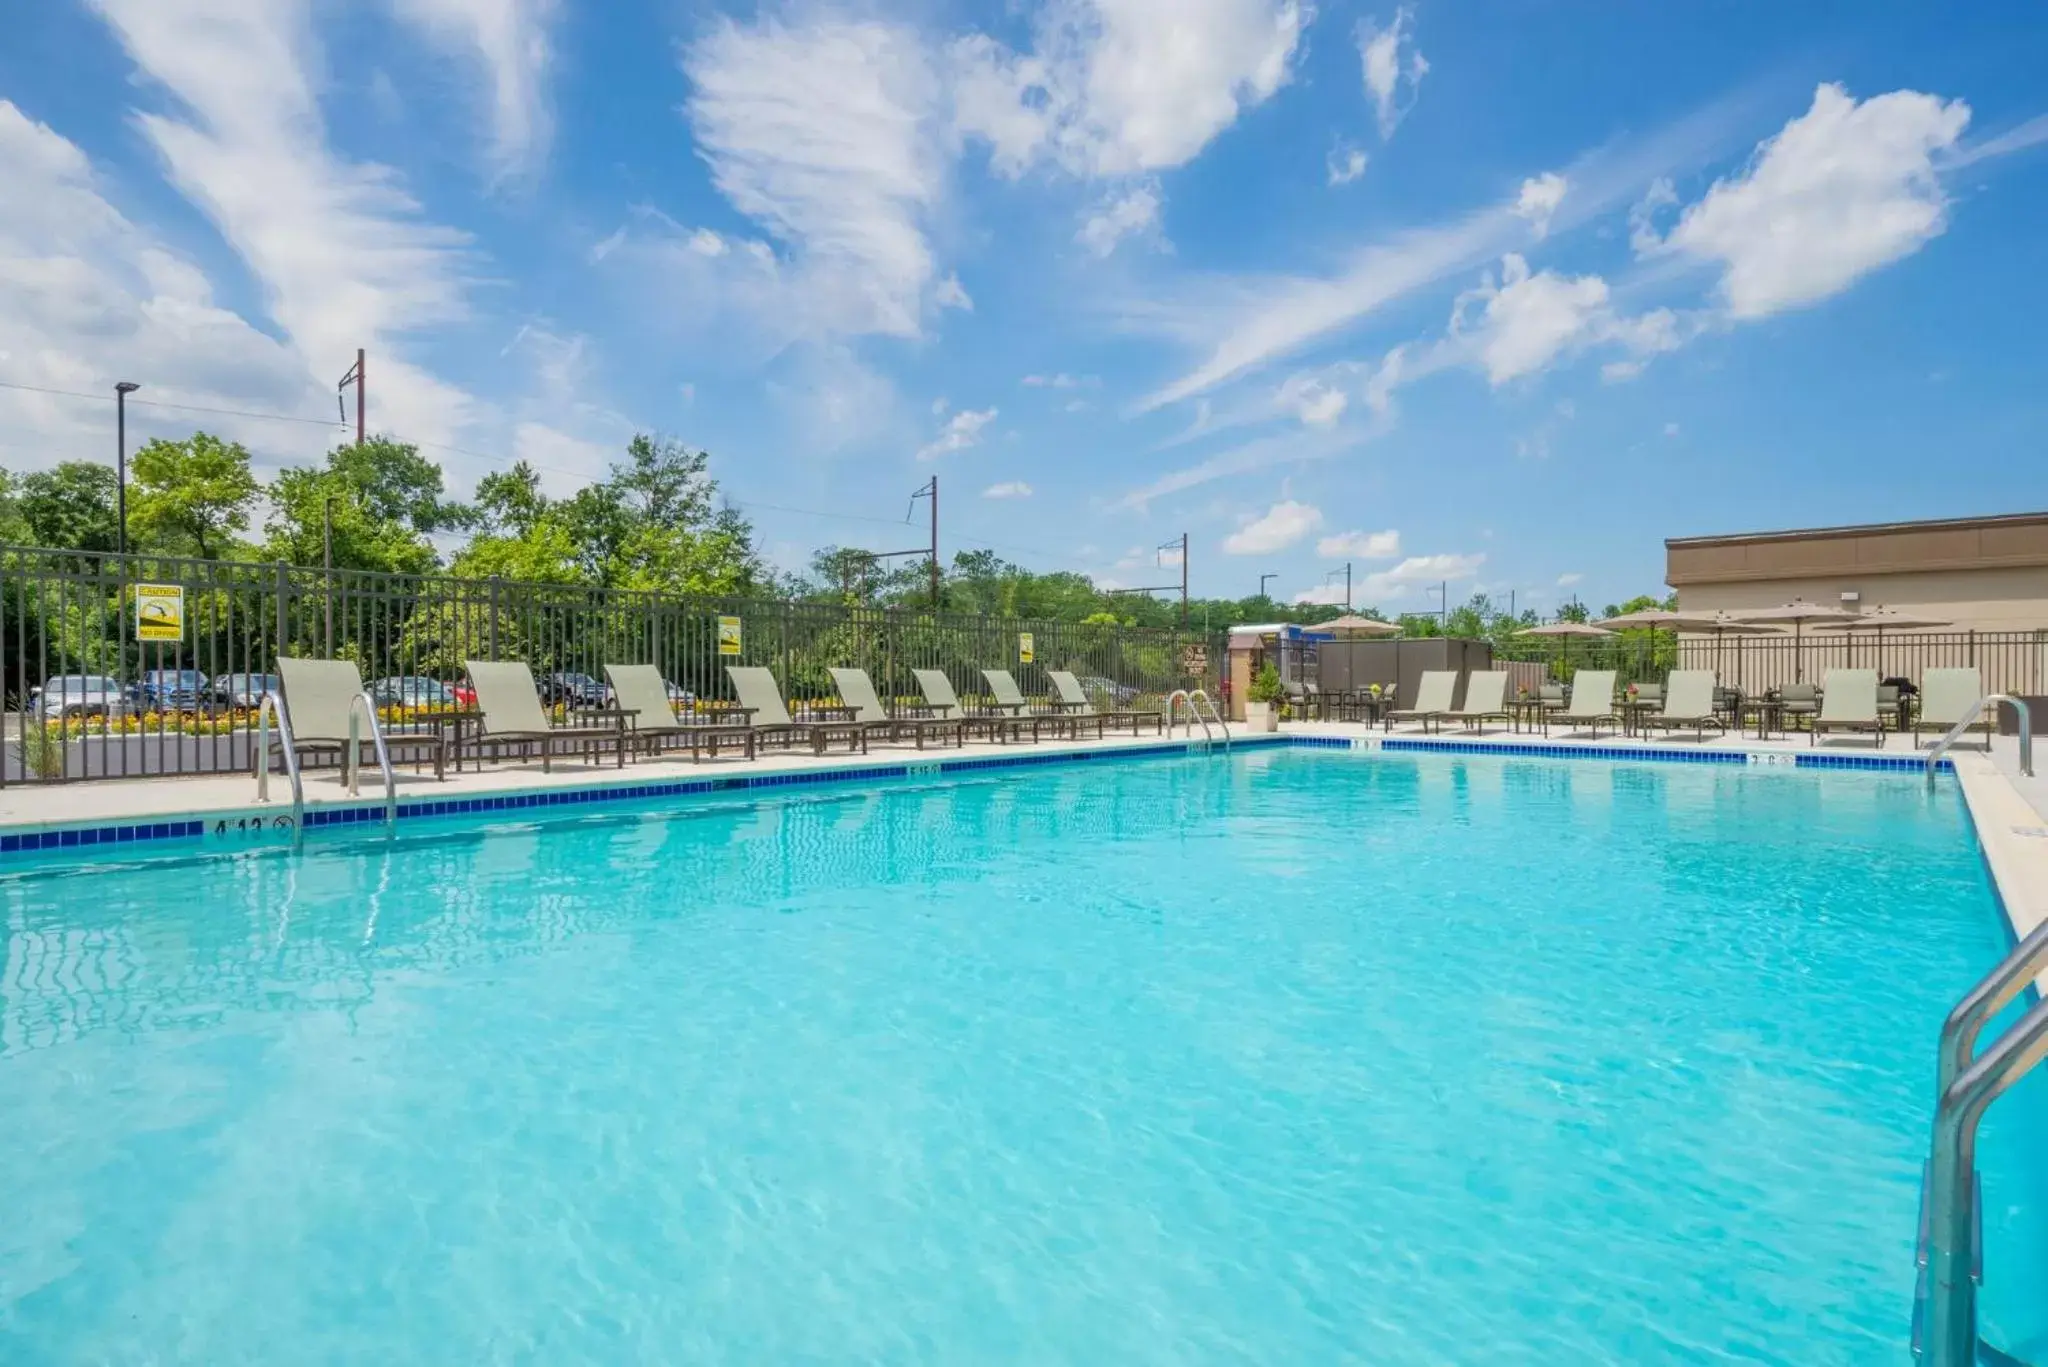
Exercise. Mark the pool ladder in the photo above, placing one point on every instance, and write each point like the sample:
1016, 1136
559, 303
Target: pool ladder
360, 706
1973, 716
1196, 700
1951, 1261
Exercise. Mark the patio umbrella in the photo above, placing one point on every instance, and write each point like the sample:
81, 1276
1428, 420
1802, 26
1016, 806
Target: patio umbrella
1877, 619
1653, 618
1351, 624
1564, 631
1796, 614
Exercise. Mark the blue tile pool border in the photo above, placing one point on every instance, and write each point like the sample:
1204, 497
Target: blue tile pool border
247, 823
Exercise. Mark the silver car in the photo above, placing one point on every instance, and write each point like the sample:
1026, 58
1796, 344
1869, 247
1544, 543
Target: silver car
78, 695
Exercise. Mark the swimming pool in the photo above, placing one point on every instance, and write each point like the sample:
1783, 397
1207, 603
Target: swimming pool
1288, 1056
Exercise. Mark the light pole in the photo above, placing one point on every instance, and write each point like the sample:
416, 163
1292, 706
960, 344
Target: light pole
1262, 584
121, 392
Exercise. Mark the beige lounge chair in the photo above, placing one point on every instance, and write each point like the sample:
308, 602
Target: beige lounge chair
512, 715
318, 696
641, 690
1848, 702
941, 701
1432, 699
770, 719
1074, 698
1486, 693
1947, 696
1011, 699
857, 691
1591, 702
1688, 701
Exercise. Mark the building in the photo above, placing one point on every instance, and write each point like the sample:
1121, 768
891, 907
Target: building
1986, 574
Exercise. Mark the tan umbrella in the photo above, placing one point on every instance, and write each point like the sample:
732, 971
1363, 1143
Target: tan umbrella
1565, 631
1796, 614
1878, 620
1351, 624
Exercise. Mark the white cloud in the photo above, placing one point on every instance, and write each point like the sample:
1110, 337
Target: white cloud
1324, 595
1062, 380
340, 250
1120, 216
1527, 320
1539, 199
1317, 404
1643, 236
1415, 573
1014, 488
1360, 545
88, 298
1393, 67
940, 405
1276, 529
1077, 406
1840, 191
1345, 164
951, 294
824, 133
1119, 87
704, 242
510, 39
1670, 429
1565, 581
961, 431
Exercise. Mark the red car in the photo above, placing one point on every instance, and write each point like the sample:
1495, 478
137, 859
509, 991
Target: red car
465, 693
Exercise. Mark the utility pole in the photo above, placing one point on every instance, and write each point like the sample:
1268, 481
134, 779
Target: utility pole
1182, 544
354, 377
121, 393
1262, 584
1347, 586
1443, 595
930, 491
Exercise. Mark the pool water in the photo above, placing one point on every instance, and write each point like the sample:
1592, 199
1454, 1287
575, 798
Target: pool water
1287, 1057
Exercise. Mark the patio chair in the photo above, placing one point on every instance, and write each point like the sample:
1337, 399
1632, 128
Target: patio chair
641, 690
769, 718
1486, 694
1432, 699
1689, 701
941, 701
1796, 701
1549, 699
1011, 699
857, 691
317, 698
1947, 696
512, 714
1848, 703
1074, 698
1591, 702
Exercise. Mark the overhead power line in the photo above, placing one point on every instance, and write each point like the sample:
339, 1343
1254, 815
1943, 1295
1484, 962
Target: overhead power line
179, 407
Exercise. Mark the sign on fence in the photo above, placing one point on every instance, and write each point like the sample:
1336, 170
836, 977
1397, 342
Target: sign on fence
1194, 660
1024, 649
728, 636
159, 612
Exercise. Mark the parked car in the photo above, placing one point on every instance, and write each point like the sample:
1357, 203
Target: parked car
172, 690
575, 690
1119, 693
243, 690
413, 690
78, 695
464, 691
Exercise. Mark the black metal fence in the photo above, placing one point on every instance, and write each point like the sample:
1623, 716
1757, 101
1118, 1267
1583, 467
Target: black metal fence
2009, 661
87, 697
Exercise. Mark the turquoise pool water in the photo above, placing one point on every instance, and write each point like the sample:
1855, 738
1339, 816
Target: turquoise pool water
1292, 1057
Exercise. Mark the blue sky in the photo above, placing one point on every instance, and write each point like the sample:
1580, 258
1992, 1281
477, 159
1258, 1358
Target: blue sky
1493, 295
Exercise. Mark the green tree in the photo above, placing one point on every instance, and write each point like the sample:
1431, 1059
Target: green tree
384, 501
71, 507
397, 484
190, 497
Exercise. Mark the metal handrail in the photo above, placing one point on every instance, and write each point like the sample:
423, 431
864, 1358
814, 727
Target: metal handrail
352, 760
1173, 701
1975, 715
1951, 1338
1214, 712
272, 706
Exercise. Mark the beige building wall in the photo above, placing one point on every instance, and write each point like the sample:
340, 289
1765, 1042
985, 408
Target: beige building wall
1974, 600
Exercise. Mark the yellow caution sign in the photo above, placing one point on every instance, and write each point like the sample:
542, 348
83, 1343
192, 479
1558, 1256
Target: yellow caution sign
1025, 654
159, 612
728, 636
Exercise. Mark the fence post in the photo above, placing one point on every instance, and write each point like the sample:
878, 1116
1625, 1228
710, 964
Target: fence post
491, 626
283, 609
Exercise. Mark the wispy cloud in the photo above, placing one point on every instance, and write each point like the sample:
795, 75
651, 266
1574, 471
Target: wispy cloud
962, 430
510, 40
1393, 67
1279, 527
1360, 545
1012, 488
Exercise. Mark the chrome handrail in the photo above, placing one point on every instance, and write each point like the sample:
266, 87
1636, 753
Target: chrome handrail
1173, 701
1975, 715
352, 761
1214, 712
1951, 1338
272, 706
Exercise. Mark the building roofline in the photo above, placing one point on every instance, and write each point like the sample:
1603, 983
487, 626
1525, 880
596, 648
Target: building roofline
1949, 524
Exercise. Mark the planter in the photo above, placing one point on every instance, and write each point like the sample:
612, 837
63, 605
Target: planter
1261, 716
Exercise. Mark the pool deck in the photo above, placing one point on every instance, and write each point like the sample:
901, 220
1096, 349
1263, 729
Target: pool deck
2010, 811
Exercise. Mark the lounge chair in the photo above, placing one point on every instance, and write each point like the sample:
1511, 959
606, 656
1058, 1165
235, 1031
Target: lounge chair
1486, 694
512, 714
1591, 702
641, 690
1689, 701
941, 701
1849, 703
1074, 698
1432, 699
1796, 701
857, 691
769, 719
1011, 699
1947, 696
317, 699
